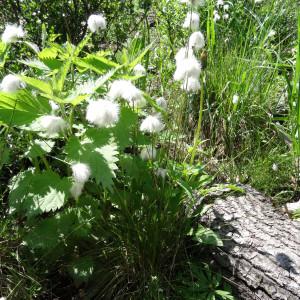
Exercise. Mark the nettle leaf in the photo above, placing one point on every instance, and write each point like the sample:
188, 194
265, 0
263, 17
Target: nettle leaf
39, 147
63, 228
21, 108
123, 130
96, 63
38, 84
82, 268
98, 151
35, 193
206, 236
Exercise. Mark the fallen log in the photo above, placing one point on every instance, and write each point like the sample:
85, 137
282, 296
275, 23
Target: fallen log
261, 246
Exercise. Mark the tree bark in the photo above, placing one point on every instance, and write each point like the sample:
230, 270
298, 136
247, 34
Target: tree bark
261, 246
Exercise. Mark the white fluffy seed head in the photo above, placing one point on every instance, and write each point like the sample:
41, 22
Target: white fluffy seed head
54, 106
162, 103
96, 22
139, 70
126, 90
192, 21
103, 113
81, 172
235, 99
148, 153
216, 16
188, 67
12, 33
191, 84
160, 172
183, 53
52, 124
197, 40
11, 83
152, 124
76, 189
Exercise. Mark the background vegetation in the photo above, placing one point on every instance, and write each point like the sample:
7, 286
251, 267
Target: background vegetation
136, 235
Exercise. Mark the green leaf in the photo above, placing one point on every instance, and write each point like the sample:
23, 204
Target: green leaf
38, 84
64, 228
141, 56
124, 128
36, 193
39, 147
206, 236
98, 152
21, 108
224, 295
96, 63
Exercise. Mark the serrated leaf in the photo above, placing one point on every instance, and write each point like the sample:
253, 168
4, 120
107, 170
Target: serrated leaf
35, 193
94, 150
206, 236
38, 84
21, 108
35, 63
124, 128
39, 147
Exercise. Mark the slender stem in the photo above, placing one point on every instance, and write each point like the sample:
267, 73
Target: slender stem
199, 126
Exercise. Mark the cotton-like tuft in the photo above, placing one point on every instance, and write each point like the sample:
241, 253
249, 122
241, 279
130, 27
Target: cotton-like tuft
160, 172
126, 90
139, 70
216, 16
162, 103
54, 106
11, 83
76, 189
148, 153
188, 67
191, 84
52, 124
96, 22
152, 124
235, 99
12, 33
225, 17
81, 172
103, 113
197, 40
183, 53
192, 21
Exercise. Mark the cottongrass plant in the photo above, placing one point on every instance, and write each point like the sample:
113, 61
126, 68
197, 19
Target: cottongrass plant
12, 33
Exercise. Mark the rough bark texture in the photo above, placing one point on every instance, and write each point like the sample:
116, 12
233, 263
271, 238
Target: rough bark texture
261, 246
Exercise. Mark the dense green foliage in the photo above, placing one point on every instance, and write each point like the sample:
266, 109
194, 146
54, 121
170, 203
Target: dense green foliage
131, 230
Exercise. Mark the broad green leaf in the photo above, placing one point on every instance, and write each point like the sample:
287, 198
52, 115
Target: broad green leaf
38, 84
35, 193
35, 63
21, 108
63, 228
98, 152
206, 236
124, 128
96, 63
39, 147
